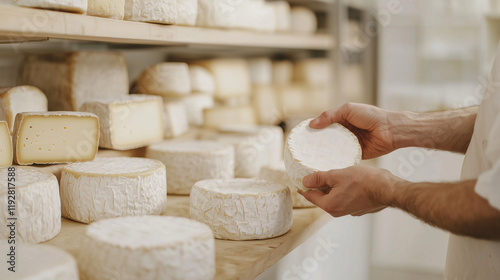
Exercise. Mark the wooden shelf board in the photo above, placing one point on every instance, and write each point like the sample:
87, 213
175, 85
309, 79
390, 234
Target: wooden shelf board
234, 259
21, 23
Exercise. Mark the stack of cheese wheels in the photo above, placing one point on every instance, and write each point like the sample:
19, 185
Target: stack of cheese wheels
242, 209
309, 150
188, 162
113, 187
38, 206
147, 247
41, 262
276, 173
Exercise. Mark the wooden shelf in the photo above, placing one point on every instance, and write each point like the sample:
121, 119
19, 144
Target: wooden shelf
234, 259
22, 24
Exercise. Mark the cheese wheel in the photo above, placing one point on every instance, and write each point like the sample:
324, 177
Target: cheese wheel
187, 12
20, 99
41, 262
309, 150
157, 11
188, 162
218, 116
169, 79
122, 120
6, 151
291, 99
261, 71
283, 72
303, 21
265, 104
76, 6
242, 209
147, 247
314, 72
283, 15
201, 79
113, 187
276, 173
114, 9
81, 77
37, 205
175, 119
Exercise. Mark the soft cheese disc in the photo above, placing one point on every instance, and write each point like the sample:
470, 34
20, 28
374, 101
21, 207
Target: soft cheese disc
40, 262
37, 205
113, 187
242, 209
147, 247
308, 150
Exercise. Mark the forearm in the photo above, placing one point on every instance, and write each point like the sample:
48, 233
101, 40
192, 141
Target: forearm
448, 130
454, 207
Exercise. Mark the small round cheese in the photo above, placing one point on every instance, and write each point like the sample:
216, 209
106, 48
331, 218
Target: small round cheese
113, 187
147, 247
188, 162
308, 150
37, 205
276, 173
165, 79
202, 81
41, 262
242, 209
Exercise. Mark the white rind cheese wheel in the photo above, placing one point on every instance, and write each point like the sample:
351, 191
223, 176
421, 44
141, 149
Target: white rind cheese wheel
218, 116
283, 15
261, 71
266, 106
113, 187
308, 150
170, 79
38, 205
114, 9
129, 122
276, 173
6, 150
283, 72
157, 11
202, 80
188, 162
20, 99
187, 12
147, 247
242, 209
314, 72
303, 21
76, 6
81, 77
175, 119
41, 262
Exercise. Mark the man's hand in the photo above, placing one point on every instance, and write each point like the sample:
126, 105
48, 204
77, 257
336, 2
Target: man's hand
370, 124
355, 190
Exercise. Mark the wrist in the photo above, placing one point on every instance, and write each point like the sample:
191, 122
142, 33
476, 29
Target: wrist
386, 193
403, 128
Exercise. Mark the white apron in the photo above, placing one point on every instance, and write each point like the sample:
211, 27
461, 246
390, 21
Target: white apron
470, 258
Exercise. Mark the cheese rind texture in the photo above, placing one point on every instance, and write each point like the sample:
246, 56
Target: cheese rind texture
114, 9
309, 150
77, 6
188, 162
168, 79
276, 173
242, 209
42, 262
55, 137
81, 77
6, 150
113, 187
187, 12
38, 205
147, 247
175, 119
129, 122
20, 99
157, 11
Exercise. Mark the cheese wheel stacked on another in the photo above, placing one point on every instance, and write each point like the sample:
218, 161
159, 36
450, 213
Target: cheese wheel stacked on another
19, 99
181, 12
308, 150
38, 205
147, 247
193, 161
276, 173
40, 262
242, 209
113, 187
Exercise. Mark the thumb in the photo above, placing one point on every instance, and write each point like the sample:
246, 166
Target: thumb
326, 119
319, 179
313, 196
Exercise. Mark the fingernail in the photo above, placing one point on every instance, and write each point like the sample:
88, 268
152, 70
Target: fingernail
314, 122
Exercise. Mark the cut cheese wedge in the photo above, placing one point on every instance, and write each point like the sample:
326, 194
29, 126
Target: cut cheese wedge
168, 79
6, 151
55, 137
20, 99
130, 122
114, 9
41, 262
276, 173
113, 187
147, 247
229, 115
303, 21
309, 150
76, 6
242, 209
188, 162
37, 205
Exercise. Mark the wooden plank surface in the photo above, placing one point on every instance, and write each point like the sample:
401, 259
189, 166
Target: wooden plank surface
23, 23
234, 259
